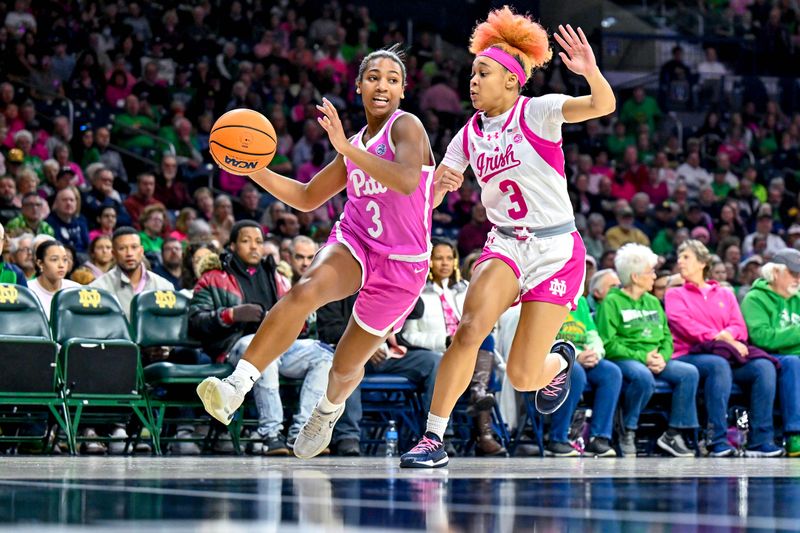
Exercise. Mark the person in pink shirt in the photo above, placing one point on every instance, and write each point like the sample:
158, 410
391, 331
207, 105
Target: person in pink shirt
379, 248
656, 188
709, 332
441, 97
120, 85
61, 154
107, 220
311, 168
331, 65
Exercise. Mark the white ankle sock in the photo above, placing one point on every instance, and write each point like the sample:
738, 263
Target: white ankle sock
562, 363
437, 425
326, 406
245, 375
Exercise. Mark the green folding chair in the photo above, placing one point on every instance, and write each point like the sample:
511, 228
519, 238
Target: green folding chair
30, 391
101, 368
160, 318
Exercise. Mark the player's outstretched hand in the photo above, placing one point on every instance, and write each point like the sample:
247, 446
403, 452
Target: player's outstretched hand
579, 56
332, 125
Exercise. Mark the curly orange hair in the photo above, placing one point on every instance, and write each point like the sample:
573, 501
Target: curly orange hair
516, 34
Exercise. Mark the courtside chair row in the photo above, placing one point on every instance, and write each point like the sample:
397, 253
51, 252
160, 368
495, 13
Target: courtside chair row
81, 369
84, 369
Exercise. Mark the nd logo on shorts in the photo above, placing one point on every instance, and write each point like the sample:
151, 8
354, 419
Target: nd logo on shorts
558, 287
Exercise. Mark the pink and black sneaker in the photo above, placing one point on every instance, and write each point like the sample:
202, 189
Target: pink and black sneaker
550, 398
428, 453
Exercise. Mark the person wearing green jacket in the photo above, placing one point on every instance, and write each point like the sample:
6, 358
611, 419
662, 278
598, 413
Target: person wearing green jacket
9, 273
771, 310
606, 379
634, 329
128, 125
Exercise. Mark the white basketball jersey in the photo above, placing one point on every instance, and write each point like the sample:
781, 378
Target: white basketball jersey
518, 162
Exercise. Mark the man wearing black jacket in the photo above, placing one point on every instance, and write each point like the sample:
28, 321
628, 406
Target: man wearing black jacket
233, 295
419, 366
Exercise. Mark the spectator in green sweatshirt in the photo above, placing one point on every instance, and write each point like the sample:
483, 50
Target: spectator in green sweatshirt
634, 329
9, 273
132, 127
771, 310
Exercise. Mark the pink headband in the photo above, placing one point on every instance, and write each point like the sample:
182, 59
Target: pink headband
507, 60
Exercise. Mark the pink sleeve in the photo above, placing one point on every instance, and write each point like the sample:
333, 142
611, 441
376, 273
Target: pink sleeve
736, 325
683, 320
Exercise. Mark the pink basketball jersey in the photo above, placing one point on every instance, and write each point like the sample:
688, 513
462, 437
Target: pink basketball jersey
388, 222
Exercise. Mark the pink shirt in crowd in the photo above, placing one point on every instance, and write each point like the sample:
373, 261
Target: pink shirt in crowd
697, 316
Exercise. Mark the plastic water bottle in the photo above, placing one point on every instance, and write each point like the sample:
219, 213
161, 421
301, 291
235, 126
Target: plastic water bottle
391, 439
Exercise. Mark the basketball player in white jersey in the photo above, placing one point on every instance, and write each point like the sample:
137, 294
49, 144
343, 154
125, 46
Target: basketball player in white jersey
533, 256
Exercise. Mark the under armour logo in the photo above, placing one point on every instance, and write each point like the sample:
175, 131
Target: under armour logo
523, 234
558, 287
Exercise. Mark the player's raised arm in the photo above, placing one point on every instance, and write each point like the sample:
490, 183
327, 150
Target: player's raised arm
402, 174
579, 58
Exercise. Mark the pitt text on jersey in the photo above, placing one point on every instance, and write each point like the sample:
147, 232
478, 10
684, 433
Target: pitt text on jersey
364, 185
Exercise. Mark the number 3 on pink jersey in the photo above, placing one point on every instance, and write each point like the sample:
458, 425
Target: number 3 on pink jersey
375, 209
516, 198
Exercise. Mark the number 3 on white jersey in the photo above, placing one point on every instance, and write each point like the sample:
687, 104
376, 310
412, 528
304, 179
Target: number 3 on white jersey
377, 231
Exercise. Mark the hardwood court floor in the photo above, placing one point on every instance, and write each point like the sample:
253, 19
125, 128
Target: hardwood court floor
335, 494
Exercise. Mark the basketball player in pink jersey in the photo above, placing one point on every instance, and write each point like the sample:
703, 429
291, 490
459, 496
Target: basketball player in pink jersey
380, 247
533, 255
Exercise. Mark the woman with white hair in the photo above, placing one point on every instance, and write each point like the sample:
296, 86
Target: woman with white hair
710, 334
23, 139
771, 311
634, 329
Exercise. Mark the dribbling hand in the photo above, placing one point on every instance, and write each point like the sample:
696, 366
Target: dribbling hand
332, 125
579, 56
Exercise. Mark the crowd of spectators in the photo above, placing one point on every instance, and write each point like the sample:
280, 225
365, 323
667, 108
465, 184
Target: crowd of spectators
769, 31
126, 187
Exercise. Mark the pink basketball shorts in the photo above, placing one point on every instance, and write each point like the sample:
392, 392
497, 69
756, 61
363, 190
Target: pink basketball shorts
389, 288
551, 269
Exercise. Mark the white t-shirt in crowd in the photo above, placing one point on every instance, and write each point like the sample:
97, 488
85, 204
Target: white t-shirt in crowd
45, 296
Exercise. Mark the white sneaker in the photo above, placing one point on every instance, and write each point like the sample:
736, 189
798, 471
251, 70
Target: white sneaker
117, 447
224, 444
255, 448
316, 434
185, 447
221, 398
92, 447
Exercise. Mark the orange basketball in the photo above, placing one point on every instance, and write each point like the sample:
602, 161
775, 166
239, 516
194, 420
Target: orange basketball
242, 141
